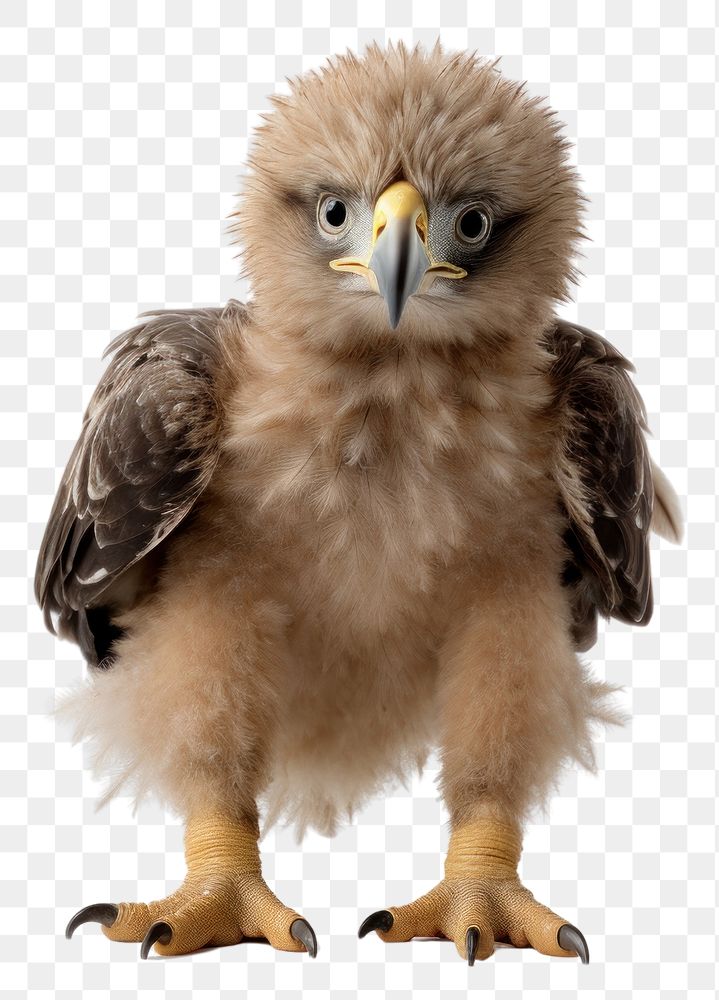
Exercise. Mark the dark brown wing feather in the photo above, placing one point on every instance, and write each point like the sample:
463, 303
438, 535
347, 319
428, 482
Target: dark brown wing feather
605, 479
147, 450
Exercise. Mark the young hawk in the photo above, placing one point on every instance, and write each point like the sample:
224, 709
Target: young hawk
377, 510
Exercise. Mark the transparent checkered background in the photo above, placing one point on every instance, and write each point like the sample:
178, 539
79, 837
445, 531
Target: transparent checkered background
124, 128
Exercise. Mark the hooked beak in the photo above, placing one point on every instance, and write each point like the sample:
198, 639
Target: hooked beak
399, 262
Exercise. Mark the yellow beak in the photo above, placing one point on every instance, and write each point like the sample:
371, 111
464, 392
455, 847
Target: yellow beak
399, 262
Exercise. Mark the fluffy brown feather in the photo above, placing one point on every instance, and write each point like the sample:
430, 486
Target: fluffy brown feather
375, 566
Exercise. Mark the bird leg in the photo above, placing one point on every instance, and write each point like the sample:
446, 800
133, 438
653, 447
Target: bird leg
222, 900
481, 900
514, 703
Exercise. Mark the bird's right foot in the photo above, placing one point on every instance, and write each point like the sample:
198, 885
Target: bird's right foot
223, 900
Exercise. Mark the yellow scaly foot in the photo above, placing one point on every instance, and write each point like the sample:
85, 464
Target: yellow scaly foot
481, 901
223, 899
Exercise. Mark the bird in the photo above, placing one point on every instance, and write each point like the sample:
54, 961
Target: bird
370, 515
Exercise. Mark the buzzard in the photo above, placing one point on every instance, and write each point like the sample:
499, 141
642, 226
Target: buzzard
376, 510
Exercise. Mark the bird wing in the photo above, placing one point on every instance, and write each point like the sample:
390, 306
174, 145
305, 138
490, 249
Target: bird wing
147, 449
604, 474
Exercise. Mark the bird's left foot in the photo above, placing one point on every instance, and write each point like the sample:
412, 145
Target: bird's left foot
477, 912
481, 900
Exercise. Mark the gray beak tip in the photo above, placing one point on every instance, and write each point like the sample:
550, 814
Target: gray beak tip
394, 317
399, 262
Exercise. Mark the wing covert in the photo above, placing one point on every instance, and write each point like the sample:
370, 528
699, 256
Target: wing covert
604, 474
147, 449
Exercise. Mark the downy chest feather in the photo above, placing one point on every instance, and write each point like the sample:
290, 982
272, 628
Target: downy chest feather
369, 493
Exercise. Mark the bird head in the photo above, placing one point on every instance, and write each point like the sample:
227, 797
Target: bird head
408, 196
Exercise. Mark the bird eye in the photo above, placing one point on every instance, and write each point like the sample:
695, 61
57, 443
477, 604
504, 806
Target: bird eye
332, 214
472, 225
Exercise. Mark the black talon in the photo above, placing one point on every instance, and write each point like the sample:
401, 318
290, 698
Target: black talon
571, 938
471, 943
101, 913
159, 931
382, 920
301, 931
